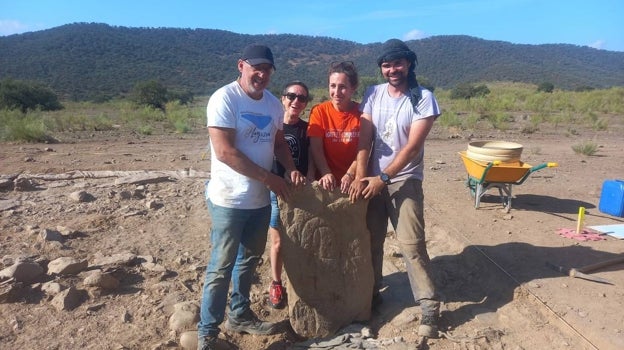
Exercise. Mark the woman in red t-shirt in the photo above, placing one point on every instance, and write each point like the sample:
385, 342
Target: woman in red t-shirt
334, 129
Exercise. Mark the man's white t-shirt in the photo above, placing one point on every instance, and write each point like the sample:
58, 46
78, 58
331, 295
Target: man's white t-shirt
256, 123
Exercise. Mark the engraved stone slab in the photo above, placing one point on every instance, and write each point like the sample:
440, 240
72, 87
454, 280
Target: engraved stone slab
326, 252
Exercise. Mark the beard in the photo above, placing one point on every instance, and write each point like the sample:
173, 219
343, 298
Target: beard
397, 80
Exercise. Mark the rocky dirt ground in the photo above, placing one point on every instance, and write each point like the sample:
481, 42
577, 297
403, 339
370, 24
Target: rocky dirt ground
150, 234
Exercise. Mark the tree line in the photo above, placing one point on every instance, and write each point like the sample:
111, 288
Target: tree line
97, 62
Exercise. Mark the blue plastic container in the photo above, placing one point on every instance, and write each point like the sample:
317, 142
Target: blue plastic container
612, 198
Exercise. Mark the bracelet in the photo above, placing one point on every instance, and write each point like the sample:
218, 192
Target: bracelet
350, 175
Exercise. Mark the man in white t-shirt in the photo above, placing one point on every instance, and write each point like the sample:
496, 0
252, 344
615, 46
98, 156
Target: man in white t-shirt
245, 124
396, 119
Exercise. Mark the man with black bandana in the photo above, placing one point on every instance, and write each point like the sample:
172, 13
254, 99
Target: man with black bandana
396, 119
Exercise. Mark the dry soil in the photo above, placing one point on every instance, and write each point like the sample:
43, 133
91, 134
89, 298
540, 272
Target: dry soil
490, 266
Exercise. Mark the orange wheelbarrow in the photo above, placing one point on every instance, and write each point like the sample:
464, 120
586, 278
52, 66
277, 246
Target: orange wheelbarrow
483, 176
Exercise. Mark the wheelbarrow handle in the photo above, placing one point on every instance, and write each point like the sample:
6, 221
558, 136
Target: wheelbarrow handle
543, 165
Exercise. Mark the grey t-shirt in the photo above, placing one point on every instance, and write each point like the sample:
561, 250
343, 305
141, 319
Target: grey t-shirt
392, 118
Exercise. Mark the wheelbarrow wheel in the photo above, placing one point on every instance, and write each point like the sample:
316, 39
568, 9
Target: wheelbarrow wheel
507, 206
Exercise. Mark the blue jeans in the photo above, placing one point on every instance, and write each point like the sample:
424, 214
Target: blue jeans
275, 212
238, 238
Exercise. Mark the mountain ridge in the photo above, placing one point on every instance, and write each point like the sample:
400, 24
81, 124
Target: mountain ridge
88, 60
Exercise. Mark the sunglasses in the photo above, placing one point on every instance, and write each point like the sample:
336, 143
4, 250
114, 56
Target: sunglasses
292, 96
342, 64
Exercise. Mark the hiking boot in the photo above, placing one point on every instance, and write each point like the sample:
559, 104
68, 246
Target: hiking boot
207, 343
428, 326
429, 319
276, 295
250, 324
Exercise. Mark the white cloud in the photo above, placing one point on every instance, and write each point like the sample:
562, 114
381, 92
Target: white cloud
414, 34
8, 27
272, 31
598, 44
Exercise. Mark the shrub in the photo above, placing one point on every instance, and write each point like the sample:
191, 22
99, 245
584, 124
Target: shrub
470, 122
450, 119
546, 87
468, 91
583, 88
500, 121
183, 118
529, 129
16, 126
585, 148
426, 83
25, 96
144, 129
480, 91
150, 93
182, 96
462, 91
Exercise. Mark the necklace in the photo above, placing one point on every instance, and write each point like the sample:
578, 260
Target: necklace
391, 123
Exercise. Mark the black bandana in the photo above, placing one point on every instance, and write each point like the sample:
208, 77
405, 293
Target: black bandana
394, 49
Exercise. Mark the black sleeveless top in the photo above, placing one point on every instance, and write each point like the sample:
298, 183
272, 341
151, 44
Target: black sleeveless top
298, 142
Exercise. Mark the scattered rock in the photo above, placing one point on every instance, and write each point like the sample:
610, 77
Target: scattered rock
125, 195
22, 184
139, 193
67, 266
102, 280
119, 259
50, 235
152, 204
15, 324
153, 267
68, 299
51, 288
10, 291
126, 317
95, 307
66, 232
188, 340
146, 258
185, 316
6, 183
22, 271
81, 196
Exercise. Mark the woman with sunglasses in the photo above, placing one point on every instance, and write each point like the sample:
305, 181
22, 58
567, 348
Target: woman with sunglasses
295, 98
334, 129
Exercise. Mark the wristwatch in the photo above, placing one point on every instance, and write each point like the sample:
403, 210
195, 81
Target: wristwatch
385, 178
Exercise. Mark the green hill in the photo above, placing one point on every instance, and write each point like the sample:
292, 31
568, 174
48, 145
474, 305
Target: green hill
90, 60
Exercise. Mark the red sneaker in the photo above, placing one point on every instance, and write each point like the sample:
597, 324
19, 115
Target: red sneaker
277, 295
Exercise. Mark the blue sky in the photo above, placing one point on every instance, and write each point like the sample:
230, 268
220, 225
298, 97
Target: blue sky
594, 23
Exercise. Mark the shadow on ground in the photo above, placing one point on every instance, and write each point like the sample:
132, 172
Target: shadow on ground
485, 278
